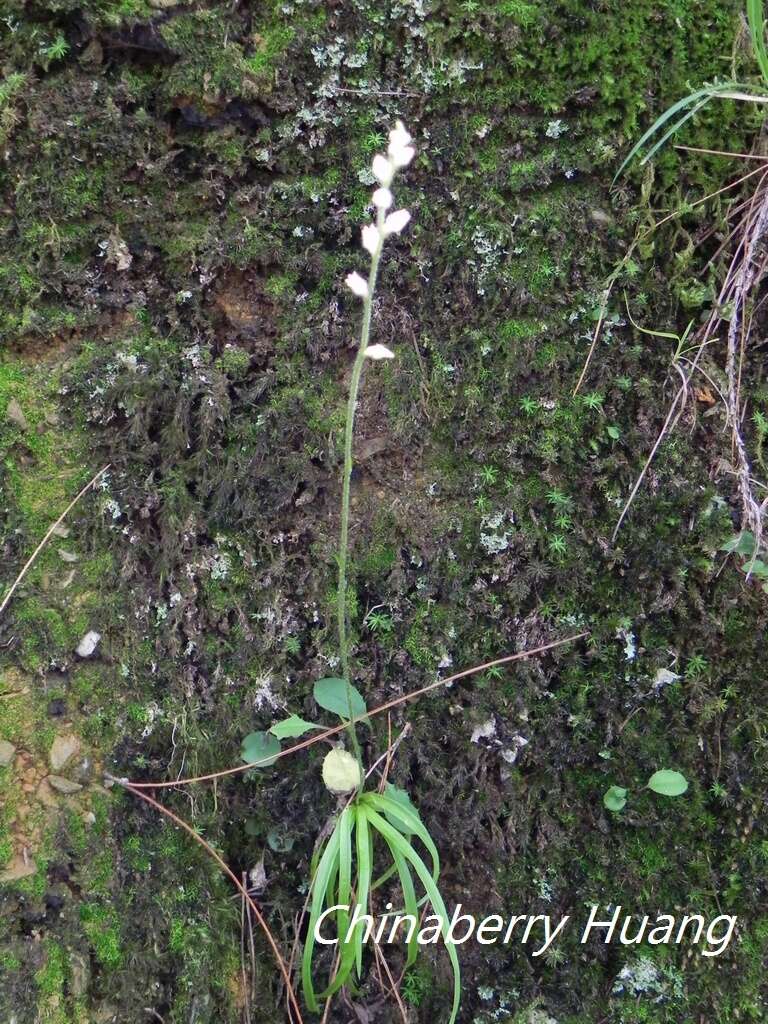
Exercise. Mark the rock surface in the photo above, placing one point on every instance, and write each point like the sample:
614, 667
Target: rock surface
15, 414
63, 750
62, 785
88, 644
18, 868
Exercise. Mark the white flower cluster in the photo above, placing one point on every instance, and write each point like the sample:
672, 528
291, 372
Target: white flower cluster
400, 152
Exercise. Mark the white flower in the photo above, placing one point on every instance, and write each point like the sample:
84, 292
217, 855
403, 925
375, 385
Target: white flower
398, 138
396, 221
402, 157
382, 198
371, 238
377, 352
357, 284
382, 169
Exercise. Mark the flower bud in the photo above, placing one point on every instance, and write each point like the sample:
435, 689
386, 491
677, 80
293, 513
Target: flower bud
377, 352
357, 284
399, 137
371, 238
402, 157
382, 198
382, 170
396, 221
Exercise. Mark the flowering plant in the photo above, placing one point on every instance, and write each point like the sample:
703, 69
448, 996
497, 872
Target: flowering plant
338, 873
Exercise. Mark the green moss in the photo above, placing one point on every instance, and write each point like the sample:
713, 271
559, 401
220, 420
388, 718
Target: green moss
50, 981
102, 927
270, 44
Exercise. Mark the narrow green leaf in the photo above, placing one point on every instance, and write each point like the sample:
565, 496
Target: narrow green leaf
691, 104
391, 870
755, 17
260, 750
293, 727
364, 848
615, 798
326, 870
332, 695
676, 128
397, 841
352, 951
659, 123
668, 783
345, 826
399, 796
409, 901
411, 820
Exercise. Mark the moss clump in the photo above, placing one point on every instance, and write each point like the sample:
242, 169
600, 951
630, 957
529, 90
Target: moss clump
102, 927
50, 980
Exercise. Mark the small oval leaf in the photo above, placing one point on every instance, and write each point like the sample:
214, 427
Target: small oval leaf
743, 544
331, 694
260, 749
615, 798
668, 783
293, 727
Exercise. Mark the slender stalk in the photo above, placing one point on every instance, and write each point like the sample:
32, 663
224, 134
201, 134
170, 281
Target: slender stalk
349, 430
49, 533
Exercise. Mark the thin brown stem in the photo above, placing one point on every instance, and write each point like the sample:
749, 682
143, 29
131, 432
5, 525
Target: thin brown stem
33, 557
232, 877
395, 702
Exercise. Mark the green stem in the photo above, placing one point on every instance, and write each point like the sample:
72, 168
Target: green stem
354, 387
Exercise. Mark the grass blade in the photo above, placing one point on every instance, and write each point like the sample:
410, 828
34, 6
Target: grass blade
676, 128
346, 825
409, 899
364, 874
756, 19
659, 123
326, 872
391, 870
396, 841
352, 951
382, 803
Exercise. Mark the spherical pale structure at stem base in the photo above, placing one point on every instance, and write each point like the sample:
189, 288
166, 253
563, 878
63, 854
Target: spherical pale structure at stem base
341, 772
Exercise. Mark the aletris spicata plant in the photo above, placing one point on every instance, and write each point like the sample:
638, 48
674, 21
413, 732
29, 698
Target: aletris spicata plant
368, 823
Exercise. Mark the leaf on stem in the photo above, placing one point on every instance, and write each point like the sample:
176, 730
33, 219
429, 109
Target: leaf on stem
260, 749
332, 695
293, 727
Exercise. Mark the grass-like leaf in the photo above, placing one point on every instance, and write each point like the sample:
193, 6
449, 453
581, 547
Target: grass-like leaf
409, 817
397, 842
364, 849
321, 888
345, 827
690, 104
756, 19
338, 873
409, 900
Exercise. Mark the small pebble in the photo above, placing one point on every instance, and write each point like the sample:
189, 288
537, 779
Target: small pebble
62, 785
88, 644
